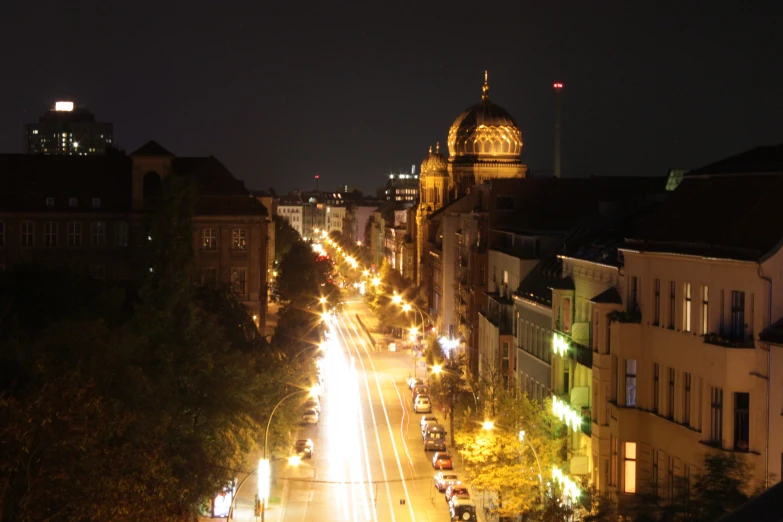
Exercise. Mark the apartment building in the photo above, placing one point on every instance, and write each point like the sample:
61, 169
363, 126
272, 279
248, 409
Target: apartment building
683, 356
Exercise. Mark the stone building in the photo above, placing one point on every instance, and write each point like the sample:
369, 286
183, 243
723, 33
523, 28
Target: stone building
89, 212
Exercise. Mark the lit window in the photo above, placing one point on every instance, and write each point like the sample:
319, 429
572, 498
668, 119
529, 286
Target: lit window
686, 312
27, 233
98, 233
705, 309
209, 239
630, 467
239, 239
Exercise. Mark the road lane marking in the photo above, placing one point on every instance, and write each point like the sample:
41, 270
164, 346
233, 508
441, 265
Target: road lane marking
377, 436
403, 433
386, 415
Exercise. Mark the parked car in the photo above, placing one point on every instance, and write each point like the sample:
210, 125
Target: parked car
304, 448
426, 419
414, 381
313, 404
310, 417
420, 389
442, 460
457, 491
434, 437
444, 480
422, 405
462, 509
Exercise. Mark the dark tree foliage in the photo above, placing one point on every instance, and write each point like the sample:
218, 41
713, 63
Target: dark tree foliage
285, 237
130, 403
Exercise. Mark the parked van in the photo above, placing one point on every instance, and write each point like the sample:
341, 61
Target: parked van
434, 437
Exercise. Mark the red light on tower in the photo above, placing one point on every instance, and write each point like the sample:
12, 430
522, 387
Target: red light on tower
558, 85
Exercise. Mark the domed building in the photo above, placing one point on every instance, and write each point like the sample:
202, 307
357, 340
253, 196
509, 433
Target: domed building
434, 182
484, 143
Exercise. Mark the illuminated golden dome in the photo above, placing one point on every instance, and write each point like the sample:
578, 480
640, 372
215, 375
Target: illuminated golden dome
485, 131
434, 164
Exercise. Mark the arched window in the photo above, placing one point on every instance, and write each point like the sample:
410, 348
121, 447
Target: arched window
151, 188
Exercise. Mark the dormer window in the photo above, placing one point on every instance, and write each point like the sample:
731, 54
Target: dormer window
50, 202
72, 202
96, 202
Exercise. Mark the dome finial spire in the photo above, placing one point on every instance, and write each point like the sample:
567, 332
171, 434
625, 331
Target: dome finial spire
437, 148
485, 88
430, 149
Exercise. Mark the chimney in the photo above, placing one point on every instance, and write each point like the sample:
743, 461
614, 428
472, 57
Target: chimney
558, 89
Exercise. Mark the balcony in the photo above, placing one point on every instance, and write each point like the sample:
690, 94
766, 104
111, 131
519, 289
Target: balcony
500, 312
728, 342
625, 316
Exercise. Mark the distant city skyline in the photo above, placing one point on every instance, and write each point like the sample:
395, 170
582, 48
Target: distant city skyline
349, 93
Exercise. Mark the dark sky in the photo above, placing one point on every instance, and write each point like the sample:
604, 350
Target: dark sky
280, 91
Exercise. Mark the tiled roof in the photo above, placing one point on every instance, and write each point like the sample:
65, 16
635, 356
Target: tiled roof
151, 148
229, 206
766, 159
557, 204
26, 180
734, 217
210, 176
610, 296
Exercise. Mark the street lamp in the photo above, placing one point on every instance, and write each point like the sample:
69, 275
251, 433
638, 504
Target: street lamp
264, 465
396, 299
376, 281
538, 462
487, 425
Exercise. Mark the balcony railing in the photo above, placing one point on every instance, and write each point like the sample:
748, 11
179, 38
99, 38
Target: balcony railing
728, 342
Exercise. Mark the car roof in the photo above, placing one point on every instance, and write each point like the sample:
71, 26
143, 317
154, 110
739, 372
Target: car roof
462, 501
443, 454
303, 441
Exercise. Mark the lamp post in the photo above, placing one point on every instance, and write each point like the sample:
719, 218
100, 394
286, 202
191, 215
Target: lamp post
538, 463
264, 470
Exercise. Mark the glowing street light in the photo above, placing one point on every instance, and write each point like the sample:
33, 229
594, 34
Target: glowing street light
322, 300
437, 369
376, 281
406, 307
488, 425
294, 460
397, 299
366, 273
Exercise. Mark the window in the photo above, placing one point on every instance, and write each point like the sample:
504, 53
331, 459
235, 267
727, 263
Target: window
670, 479
121, 234
98, 272
633, 294
686, 311
630, 382
686, 398
566, 315
238, 279
716, 416
705, 309
629, 470
72, 202
483, 274
672, 297
506, 356
656, 387
50, 202
209, 277
741, 421
50, 234
737, 332
613, 462
27, 233
670, 396
96, 202
74, 234
209, 239
657, 304
655, 475
2, 234
98, 233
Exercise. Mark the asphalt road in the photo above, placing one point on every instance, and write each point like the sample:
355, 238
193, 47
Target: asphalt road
369, 463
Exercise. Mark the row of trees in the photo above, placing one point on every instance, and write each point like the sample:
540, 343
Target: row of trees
139, 401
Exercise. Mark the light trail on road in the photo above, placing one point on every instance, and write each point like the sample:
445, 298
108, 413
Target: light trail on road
363, 343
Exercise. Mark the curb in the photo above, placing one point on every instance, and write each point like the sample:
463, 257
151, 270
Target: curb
366, 331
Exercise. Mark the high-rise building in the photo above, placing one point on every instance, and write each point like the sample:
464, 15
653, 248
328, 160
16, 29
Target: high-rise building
68, 130
401, 186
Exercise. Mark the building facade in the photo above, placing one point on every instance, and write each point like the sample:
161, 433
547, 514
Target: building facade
89, 213
68, 130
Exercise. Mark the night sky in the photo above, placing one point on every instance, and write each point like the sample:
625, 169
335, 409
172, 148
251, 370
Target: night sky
280, 91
